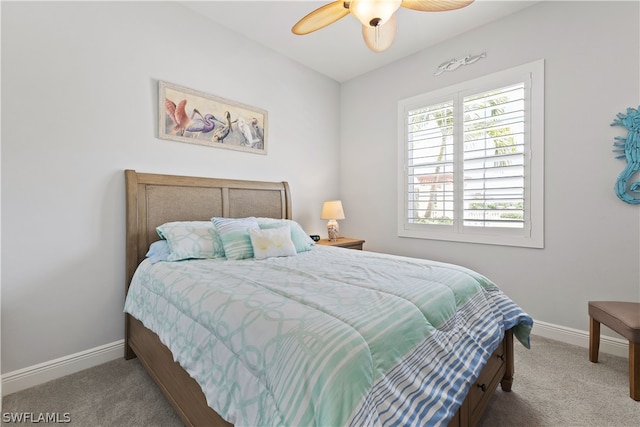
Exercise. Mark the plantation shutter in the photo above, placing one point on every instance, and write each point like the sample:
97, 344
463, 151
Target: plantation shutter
431, 164
494, 158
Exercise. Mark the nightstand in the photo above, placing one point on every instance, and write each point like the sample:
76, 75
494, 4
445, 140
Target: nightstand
343, 242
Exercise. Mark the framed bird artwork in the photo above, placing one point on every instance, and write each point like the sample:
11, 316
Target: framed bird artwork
187, 115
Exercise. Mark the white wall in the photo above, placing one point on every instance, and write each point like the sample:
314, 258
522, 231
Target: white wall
592, 239
79, 105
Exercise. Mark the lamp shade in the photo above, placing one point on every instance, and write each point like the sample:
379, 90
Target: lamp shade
332, 209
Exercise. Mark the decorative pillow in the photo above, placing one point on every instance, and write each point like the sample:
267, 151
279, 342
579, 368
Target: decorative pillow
300, 239
273, 242
158, 251
235, 236
191, 239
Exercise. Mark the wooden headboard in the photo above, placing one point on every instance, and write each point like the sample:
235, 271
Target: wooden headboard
153, 199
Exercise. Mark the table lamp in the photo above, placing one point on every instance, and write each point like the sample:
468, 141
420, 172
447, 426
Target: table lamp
332, 210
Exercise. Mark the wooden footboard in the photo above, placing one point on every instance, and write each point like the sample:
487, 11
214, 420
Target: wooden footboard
185, 395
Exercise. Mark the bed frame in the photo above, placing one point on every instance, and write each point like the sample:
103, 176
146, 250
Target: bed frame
153, 199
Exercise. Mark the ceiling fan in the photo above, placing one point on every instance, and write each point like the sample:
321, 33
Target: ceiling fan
377, 17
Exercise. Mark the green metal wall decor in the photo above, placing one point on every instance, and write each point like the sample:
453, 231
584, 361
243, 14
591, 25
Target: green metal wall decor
627, 190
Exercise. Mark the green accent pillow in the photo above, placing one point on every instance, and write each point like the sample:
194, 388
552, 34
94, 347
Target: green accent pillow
235, 236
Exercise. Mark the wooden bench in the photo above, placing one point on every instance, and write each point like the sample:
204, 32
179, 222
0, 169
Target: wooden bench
624, 318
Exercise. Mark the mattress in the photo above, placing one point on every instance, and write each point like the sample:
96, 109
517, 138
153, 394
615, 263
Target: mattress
330, 336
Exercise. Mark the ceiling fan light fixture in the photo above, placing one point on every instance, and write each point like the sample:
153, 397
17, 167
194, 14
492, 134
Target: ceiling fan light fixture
377, 17
380, 38
374, 13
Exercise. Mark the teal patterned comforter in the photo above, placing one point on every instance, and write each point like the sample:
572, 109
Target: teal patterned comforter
329, 337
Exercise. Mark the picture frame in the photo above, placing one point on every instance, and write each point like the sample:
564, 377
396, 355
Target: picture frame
193, 117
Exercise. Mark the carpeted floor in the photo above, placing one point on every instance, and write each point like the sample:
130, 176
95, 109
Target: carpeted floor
555, 385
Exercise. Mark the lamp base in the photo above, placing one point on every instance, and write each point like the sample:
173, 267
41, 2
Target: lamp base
332, 230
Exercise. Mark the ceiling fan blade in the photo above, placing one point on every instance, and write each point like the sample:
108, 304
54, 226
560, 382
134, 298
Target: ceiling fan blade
321, 17
435, 5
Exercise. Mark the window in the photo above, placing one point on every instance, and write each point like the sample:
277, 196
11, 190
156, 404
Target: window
471, 160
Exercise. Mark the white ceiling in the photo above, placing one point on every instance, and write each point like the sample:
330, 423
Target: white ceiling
338, 51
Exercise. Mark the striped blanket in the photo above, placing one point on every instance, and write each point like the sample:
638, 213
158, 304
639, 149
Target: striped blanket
329, 337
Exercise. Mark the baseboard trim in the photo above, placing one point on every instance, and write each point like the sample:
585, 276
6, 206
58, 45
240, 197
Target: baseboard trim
41, 373
610, 345
21, 379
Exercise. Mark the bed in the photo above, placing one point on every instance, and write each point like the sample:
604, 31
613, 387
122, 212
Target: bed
378, 375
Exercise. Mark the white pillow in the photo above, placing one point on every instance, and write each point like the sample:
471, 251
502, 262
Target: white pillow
272, 242
301, 240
